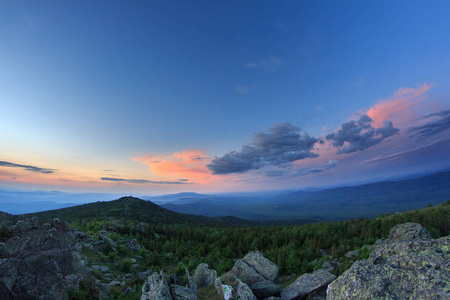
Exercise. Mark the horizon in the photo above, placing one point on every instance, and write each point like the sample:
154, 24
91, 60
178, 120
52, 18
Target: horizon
219, 98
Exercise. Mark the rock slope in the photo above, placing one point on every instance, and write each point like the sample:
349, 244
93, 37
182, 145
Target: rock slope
408, 265
38, 261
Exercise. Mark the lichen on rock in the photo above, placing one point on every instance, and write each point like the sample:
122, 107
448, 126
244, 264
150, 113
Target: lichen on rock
409, 266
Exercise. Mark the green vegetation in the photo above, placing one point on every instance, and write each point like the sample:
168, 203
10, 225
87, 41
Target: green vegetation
180, 241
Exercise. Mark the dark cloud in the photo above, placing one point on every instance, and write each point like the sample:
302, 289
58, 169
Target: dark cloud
142, 181
26, 167
360, 135
282, 144
433, 127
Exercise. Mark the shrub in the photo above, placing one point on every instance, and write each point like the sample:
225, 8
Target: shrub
125, 265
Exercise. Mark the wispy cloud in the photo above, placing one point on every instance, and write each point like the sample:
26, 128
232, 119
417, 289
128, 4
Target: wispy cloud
400, 107
282, 144
433, 127
27, 167
312, 169
359, 135
407, 154
142, 181
269, 64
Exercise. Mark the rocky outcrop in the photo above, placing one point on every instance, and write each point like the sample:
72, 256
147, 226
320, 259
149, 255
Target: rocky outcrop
235, 288
258, 273
132, 244
39, 261
180, 292
306, 284
156, 288
408, 265
204, 277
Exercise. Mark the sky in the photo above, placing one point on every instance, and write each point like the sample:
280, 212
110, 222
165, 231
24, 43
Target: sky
155, 97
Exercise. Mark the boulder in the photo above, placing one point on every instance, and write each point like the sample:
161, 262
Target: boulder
352, 254
109, 241
327, 266
100, 268
409, 267
262, 265
204, 277
243, 291
307, 284
407, 231
40, 261
182, 293
132, 244
156, 288
237, 289
258, 273
263, 289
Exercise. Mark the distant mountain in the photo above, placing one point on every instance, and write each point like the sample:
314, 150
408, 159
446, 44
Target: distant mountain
368, 200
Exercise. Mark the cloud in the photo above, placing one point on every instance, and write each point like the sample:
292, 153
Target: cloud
282, 144
269, 64
357, 136
408, 154
141, 181
433, 127
312, 169
401, 107
27, 167
187, 164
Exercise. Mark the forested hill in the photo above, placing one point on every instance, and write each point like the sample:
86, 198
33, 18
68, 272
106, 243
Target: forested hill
130, 208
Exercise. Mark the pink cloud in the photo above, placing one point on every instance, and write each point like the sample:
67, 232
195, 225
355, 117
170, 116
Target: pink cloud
401, 108
186, 164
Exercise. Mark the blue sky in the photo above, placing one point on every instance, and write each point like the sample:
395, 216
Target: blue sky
161, 96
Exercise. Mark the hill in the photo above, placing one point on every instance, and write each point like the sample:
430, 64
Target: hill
130, 208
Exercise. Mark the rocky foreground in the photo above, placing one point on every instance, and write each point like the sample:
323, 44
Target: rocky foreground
43, 261
408, 265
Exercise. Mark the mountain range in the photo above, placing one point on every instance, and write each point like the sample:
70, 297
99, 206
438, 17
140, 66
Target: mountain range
298, 207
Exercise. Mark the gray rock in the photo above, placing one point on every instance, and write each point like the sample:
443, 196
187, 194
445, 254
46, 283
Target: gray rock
40, 261
307, 284
417, 268
264, 289
327, 266
245, 273
191, 282
156, 288
262, 265
407, 231
352, 254
109, 241
240, 290
132, 244
204, 277
248, 271
114, 282
243, 291
182, 293
145, 274
100, 268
